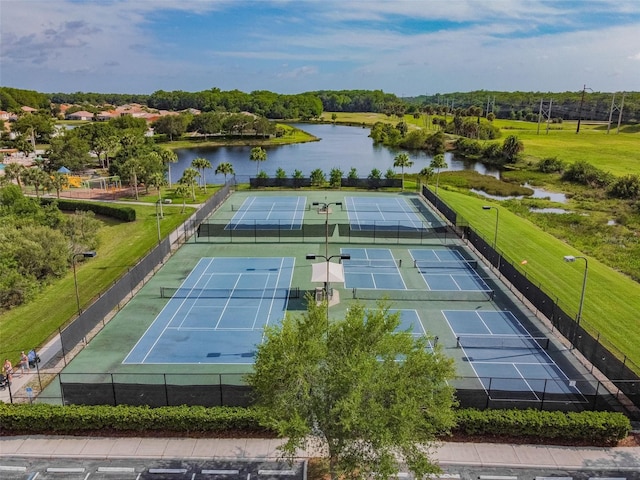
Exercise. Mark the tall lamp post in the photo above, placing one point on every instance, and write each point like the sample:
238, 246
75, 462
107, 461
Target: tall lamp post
325, 206
159, 215
342, 256
571, 259
495, 235
89, 254
584, 89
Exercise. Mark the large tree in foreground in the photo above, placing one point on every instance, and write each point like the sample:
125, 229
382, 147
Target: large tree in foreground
366, 391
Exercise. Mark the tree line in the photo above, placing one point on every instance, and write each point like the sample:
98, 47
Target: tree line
516, 105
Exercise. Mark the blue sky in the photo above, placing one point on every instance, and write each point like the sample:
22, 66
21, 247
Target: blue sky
406, 47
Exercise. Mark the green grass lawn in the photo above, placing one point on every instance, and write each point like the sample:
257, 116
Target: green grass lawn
618, 154
121, 246
612, 300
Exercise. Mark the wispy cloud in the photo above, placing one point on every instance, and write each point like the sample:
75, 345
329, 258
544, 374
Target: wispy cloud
399, 46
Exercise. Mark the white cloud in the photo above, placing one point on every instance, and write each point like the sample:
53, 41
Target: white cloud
64, 45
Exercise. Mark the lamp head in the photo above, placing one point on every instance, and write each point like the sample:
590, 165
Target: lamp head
311, 256
345, 256
339, 204
315, 204
89, 254
569, 258
486, 207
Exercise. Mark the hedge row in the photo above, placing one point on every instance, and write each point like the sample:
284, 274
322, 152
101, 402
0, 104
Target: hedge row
119, 212
43, 418
591, 427
597, 428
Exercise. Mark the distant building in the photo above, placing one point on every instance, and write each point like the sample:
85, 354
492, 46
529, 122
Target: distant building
81, 115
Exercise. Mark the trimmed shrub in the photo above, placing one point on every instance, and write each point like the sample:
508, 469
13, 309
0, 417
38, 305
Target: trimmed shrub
595, 428
591, 427
119, 212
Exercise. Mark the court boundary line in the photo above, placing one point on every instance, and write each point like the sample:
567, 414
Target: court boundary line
557, 368
207, 262
372, 274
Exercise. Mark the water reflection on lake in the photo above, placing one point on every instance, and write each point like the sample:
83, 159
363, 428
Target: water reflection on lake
537, 193
340, 147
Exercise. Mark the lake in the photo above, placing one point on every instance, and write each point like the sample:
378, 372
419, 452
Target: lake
340, 147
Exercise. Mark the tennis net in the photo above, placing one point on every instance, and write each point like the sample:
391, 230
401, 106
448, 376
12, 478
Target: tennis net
373, 207
270, 207
182, 292
503, 342
423, 295
446, 265
358, 262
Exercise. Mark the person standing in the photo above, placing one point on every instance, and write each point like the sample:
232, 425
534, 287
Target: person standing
8, 370
24, 362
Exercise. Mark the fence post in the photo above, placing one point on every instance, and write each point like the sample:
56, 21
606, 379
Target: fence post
113, 391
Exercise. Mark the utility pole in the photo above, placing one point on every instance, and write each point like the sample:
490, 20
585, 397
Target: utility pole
542, 113
614, 107
584, 89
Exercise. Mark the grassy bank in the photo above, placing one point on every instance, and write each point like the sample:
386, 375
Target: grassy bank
612, 300
291, 135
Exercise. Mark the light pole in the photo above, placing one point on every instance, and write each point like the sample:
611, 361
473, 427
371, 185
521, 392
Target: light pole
584, 89
89, 254
342, 256
495, 235
571, 259
325, 206
159, 215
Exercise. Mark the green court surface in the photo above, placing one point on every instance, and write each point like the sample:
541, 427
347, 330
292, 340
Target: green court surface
102, 359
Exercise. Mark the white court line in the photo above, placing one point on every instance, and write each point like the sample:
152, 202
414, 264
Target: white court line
526, 382
244, 209
169, 320
226, 304
464, 353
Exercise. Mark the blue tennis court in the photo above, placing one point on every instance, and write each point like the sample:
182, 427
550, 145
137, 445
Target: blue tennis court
510, 363
218, 313
285, 213
448, 270
372, 268
380, 213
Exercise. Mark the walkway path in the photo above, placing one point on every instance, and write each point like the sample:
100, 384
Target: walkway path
465, 454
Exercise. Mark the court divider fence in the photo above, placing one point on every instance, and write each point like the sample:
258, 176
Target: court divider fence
602, 354
313, 231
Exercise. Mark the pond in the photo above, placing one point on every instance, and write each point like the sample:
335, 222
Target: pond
537, 193
340, 147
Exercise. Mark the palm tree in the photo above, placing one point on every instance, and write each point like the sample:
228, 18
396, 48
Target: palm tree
511, 147
134, 167
156, 179
226, 169
189, 177
426, 173
437, 163
402, 160
59, 181
200, 164
182, 190
258, 154
168, 157
36, 177
14, 171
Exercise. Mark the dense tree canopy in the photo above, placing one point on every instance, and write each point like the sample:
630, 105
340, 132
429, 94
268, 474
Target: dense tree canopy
364, 389
37, 244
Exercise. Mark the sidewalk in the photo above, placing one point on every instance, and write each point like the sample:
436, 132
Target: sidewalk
462, 454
